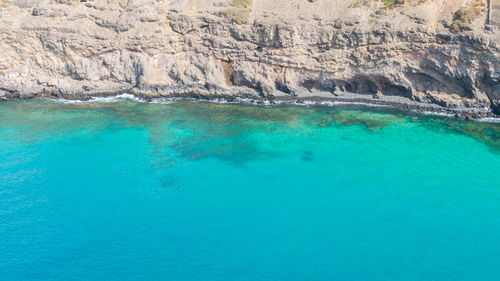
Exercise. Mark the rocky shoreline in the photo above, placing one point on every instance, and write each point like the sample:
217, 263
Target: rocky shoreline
397, 103
415, 57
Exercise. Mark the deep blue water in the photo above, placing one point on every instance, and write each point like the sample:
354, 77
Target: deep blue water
196, 191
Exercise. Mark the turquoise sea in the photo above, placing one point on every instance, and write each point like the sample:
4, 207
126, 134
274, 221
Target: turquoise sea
129, 190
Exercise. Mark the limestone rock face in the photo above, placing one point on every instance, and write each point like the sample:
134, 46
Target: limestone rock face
289, 49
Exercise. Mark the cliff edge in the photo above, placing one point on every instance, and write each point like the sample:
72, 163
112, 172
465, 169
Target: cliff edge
440, 55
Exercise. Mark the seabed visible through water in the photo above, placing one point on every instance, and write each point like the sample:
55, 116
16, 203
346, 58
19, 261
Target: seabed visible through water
128, 190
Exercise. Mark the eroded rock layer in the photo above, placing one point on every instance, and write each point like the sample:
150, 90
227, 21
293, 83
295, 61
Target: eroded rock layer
301, 50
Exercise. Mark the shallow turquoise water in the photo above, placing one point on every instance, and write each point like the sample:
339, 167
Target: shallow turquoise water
196, 191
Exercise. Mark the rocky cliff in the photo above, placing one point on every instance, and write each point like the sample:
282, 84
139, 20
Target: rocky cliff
431, 55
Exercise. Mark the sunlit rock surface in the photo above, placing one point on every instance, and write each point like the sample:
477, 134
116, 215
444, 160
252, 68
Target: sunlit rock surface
286, 50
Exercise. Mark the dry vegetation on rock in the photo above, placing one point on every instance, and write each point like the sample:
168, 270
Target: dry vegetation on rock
247, 4
239, 12
3, 4
385, 3
463, 17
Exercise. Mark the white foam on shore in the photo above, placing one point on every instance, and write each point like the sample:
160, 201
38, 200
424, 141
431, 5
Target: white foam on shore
109, 99
434, 113
489, 120
334, 103
235, 100
66, 101
117, 98
249, 101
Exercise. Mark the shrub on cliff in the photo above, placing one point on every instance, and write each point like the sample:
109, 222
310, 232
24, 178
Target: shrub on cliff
67, 2
386, 3
246, 4
4, 4
463, 17
390, 3
239, 12
237, 15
